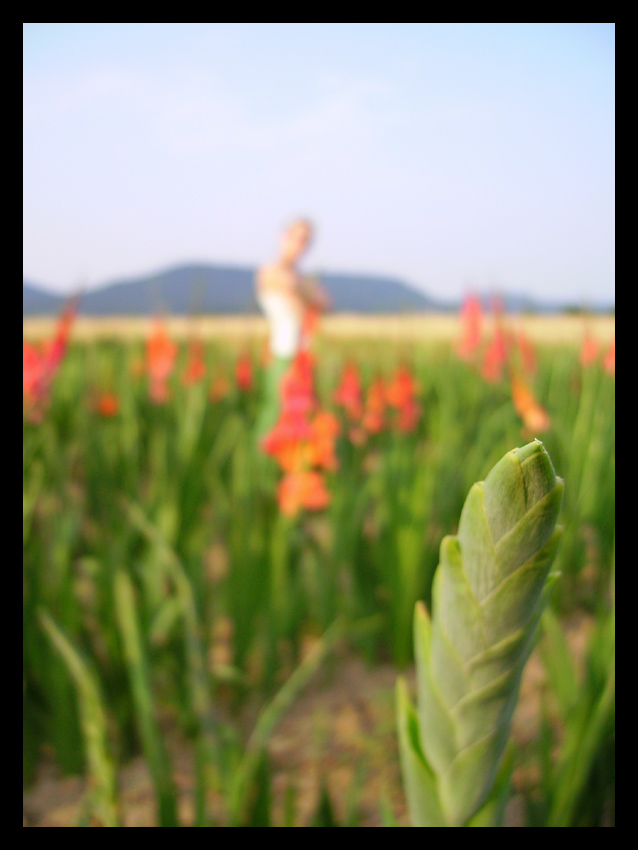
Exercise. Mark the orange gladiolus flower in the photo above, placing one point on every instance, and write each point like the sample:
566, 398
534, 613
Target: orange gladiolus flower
309, 325
161, 353
266, 356
299, 490
609, 360
471, 327
291, 455
589, 351
400, 394
321, 443
358, 435
373, 417
402, 388
535, 418
138, 367
108, 405
527, 353
219, 388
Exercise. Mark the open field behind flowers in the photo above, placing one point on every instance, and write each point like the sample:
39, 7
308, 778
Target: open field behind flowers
230, 617
556, 329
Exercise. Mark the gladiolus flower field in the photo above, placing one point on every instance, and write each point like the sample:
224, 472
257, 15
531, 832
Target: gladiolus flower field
188, 586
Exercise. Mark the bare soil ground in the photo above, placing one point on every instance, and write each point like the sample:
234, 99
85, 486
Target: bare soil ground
341, 731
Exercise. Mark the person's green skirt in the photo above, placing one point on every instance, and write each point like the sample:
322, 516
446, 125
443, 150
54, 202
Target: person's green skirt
271, 396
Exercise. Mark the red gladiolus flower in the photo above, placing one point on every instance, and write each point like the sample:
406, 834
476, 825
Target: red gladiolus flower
471, 327
535, 418
39, 365
408, 417
348, 393
31, 370
244, 373
159, 391
302, 440
55, 349
284, 437
196, 366
298, 386
609, 360
495, 357
290, 430
297, 405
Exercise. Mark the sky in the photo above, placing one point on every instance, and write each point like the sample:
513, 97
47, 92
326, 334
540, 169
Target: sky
455, 157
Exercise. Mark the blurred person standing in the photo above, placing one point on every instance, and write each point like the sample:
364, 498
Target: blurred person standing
285, 297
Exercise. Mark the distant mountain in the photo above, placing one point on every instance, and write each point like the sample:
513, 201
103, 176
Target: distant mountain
36, 301
215, 289
202, 289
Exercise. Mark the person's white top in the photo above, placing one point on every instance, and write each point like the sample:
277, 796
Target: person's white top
284, 322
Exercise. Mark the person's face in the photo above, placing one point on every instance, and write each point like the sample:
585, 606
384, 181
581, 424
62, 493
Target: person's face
296, 241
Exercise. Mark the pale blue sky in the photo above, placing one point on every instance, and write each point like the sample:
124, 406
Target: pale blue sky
453, 156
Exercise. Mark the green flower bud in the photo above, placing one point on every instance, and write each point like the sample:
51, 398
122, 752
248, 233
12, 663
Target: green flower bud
487, 597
